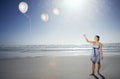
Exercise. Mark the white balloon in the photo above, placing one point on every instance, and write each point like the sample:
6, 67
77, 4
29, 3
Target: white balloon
23, 7
56, 11
44, 17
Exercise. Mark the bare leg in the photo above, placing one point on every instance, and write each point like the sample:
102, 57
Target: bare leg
93, 68
99, 66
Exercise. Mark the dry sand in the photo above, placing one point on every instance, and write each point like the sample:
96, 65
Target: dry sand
57, 67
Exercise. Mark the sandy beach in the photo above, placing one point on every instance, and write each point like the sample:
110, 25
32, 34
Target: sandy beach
57, 67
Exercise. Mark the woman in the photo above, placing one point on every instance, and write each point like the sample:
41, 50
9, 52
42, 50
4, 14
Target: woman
97, 53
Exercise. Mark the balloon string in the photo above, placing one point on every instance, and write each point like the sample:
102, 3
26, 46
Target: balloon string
29, 22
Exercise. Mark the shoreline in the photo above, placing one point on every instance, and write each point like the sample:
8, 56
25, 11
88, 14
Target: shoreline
76, 55
31, 54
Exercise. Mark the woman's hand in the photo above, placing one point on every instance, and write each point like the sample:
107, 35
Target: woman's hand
84, 35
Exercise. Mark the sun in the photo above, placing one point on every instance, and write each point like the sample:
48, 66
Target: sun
75, 4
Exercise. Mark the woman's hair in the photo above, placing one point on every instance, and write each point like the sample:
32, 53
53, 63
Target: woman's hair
98, 37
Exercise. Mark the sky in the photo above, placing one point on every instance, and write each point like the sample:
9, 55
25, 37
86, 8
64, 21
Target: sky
77, 17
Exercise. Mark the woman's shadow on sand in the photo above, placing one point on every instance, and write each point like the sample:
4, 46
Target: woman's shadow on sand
96, 77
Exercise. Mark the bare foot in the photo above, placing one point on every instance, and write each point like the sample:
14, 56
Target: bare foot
91, 74
98, 73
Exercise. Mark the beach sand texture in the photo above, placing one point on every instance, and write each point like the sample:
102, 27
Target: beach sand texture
57, 67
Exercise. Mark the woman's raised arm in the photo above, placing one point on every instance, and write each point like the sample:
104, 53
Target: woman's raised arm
92, 42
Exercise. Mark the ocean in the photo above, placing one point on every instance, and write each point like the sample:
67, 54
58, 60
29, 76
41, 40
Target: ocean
22, 51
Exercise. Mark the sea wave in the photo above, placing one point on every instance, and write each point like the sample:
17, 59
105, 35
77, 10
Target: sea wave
20, 51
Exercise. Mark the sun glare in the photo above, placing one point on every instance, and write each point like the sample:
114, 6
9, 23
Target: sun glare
74, 4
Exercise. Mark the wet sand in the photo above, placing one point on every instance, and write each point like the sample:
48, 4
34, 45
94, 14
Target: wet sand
57, 67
